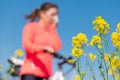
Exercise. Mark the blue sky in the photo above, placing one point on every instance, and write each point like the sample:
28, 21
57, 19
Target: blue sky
75, 16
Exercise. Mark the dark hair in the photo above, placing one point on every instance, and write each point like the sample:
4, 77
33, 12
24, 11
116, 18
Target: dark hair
35, 14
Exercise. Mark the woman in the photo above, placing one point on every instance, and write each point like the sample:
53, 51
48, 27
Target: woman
37, 37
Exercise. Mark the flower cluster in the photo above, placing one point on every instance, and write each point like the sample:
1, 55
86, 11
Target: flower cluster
106, 57
92, 56
96, 40
114, 64
115, 37
19, 52
79, 40
78, 43
76, 52
101, 25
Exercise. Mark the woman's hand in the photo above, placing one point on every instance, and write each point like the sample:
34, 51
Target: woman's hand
49, 49
55, 21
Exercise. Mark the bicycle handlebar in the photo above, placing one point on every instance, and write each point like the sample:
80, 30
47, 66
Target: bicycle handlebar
59, 56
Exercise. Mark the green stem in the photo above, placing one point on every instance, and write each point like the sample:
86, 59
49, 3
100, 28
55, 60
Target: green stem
113, 75
79, 70
105, 45
112, 71
101, 63
101, 70
102, 74
106, 69
102, 42
10, 72
98, 49
91, 69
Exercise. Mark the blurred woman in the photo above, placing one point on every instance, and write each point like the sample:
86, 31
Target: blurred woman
38, 36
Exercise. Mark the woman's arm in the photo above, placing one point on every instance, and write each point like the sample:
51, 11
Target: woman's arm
27, 39
56, 39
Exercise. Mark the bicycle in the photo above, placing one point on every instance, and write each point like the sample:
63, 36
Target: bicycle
58, 75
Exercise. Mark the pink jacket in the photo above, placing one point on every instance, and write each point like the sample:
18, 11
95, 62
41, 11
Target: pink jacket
34, 39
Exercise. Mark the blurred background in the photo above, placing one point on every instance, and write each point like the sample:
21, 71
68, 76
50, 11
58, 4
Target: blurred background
75, 16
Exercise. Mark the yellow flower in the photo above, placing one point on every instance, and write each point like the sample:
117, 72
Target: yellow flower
79, 40
76, 52
95, 40
92, 56
115, 37
114, 64
19, 52
77, 77
82, 37
101, 25
114, 60
71, 61
106, 57
75, 41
